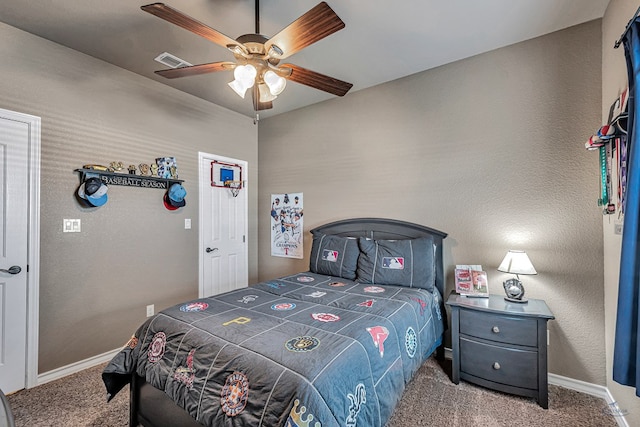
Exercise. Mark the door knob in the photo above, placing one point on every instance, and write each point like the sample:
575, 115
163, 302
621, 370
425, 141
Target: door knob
12, 270
209, 250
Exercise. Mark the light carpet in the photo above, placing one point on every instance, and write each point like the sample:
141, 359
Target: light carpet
431, 399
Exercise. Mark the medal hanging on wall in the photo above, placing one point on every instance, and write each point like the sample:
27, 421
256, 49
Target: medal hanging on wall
621, 145
614, 132
604, 194
602, 141
610, 207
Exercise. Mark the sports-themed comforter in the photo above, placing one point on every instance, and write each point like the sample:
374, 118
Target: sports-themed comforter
303, 350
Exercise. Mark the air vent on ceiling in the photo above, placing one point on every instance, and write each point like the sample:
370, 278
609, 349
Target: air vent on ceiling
172, 61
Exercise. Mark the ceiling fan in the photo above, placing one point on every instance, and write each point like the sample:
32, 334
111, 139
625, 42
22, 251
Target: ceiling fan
257, 65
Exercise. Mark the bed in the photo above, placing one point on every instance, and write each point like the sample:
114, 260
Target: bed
332, 346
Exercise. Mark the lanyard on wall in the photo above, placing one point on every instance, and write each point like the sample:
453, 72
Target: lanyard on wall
604, 193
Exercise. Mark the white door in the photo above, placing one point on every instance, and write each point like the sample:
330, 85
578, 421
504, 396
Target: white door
223, 228
14, 214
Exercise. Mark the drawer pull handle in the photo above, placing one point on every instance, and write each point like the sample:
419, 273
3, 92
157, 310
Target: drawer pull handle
495, 330
496, 366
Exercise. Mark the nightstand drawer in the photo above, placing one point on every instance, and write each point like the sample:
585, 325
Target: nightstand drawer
518, 368
510, 330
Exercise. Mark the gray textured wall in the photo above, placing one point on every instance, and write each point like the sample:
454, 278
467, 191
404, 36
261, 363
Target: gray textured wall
614, 80
490, 150
95, 285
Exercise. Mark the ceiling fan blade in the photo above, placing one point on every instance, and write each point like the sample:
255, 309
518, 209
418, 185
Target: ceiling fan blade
178, 18
257, 105
317, 80
195, 70
316, 24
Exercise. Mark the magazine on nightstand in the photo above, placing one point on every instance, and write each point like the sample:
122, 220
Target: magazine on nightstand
471, 281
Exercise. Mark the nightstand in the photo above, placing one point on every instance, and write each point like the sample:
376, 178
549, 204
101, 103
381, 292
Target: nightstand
501, 345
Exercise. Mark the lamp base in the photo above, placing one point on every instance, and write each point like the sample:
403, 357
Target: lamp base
514, 290
520, 301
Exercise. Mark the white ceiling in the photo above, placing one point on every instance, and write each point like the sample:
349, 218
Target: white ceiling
383, 39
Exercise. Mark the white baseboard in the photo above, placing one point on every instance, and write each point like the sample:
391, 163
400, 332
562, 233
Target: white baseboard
594, 390
76, 367
582, 387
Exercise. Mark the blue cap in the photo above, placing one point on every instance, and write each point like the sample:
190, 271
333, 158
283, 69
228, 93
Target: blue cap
93, 191
176, 195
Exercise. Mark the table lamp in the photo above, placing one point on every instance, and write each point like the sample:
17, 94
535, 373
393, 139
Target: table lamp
516, 262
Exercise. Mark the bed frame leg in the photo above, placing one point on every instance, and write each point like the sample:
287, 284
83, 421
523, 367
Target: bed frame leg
440, 353
133, 401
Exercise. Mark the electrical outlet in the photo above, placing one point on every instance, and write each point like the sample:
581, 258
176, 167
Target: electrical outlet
548, 338
150, 310
617, 228
187, 223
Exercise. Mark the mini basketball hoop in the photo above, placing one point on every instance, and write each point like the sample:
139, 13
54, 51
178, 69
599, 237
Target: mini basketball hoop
234, 187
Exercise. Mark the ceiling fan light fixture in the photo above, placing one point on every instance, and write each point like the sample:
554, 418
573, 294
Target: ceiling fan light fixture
239, 88
257, 57
245, 77
265, 93
275, 83
246, 74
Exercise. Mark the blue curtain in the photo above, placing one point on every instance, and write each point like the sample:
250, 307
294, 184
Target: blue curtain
626, 351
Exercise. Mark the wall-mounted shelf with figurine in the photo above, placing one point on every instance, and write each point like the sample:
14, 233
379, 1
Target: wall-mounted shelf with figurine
96, 179
128, 180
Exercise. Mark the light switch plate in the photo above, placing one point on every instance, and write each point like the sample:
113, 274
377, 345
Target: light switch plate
71, 226
187, 223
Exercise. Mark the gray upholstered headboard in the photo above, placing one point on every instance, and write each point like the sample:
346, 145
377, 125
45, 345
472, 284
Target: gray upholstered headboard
390, 229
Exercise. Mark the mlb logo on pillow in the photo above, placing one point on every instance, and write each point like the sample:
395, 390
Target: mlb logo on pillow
329, 255
393, 263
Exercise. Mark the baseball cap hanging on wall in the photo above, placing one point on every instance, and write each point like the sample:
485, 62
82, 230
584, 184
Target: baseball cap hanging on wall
174, 197
167, 203
93, 191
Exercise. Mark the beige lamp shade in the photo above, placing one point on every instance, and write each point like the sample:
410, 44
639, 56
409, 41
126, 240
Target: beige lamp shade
517, 262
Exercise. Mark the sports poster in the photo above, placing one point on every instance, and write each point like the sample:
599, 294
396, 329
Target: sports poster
286, 225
